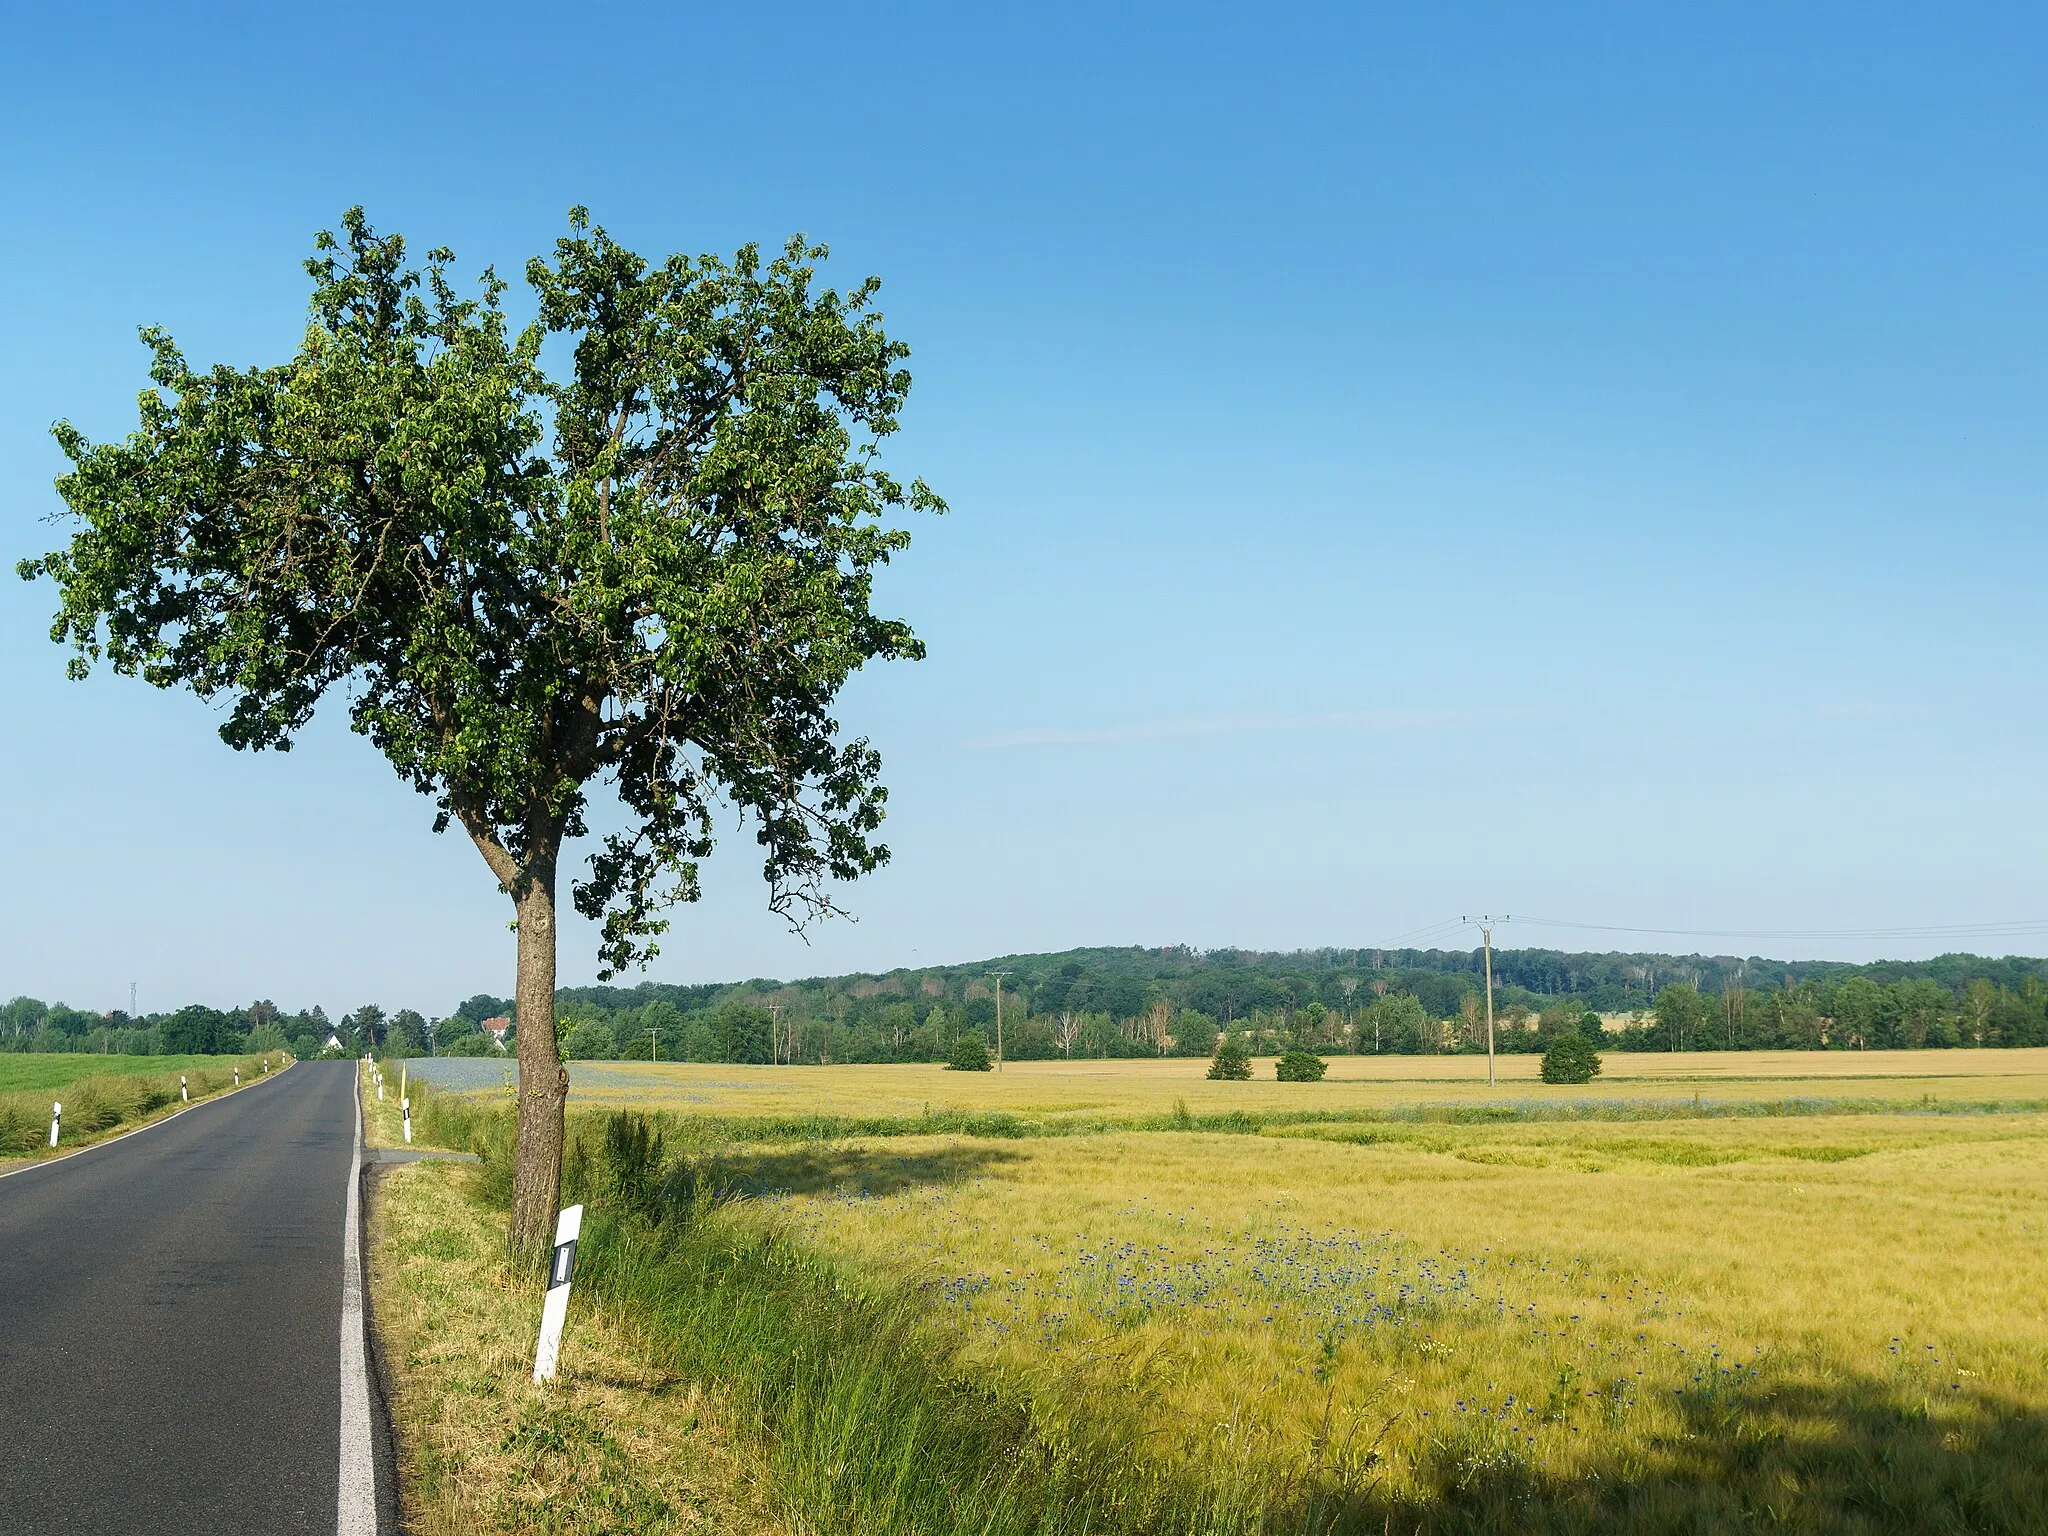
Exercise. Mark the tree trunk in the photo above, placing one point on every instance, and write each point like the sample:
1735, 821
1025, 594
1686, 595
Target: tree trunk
543, 1082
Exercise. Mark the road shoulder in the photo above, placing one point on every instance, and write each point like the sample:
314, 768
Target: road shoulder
613, 1444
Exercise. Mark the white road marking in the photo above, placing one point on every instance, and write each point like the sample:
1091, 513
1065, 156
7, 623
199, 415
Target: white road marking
356, 1507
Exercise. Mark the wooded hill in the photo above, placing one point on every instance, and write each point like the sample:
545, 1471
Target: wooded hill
1133, 1001
1137, 1001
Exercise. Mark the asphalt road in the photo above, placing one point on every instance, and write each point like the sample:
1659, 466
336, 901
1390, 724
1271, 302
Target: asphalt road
171, 1317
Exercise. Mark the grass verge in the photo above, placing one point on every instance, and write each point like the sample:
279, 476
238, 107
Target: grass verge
55, 1069
99, 1105
616, 1443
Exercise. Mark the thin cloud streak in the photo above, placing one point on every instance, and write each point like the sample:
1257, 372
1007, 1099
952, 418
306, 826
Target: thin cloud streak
1384, 722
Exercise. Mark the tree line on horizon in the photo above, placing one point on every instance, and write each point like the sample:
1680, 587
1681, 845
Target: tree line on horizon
29, 1024
1144, 1002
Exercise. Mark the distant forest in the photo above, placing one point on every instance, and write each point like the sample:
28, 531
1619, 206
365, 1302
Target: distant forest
1174, 1001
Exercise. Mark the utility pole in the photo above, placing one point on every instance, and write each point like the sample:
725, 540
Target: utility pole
1486, 937
654, 1045
131, 1005
999, 975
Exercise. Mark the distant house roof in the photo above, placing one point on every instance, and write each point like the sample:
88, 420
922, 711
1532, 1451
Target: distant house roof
495, 1026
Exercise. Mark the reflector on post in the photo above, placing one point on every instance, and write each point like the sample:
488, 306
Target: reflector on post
554, 1310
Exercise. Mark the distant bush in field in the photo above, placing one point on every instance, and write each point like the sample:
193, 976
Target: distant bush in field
1232, 1062
1571, 1059
1300, 1067
969, 1054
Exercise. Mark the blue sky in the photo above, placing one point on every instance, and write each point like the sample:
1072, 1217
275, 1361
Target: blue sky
1584, 460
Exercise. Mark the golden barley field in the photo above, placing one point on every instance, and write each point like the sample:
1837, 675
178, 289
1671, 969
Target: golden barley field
1052, 1089
1801, 1291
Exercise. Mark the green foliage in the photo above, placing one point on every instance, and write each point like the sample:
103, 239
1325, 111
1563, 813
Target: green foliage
1232, 1061
1300, 1067
655, 568
1393, 1025
196, 1031
1570, 1059
1682, 1015
619, 1169
1194, 1033
587, 1041
483, 1006
969, 1054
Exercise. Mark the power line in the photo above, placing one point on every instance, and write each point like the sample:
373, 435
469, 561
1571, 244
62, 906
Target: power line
1448, 926
2012, 928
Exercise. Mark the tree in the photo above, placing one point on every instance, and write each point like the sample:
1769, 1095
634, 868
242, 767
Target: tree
408, 1033
587, 1040
1310, 1027
1158, 1025
1396, 1022
194, 1031
1859, 1006
1066, 1032
969, 1053
1194, 1033
368, 1024
1232, 1061
654, 570
1300, 1067
1681, 1014
1570, 1059
742, 1032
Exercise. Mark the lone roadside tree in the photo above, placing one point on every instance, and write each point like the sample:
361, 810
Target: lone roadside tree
652, 567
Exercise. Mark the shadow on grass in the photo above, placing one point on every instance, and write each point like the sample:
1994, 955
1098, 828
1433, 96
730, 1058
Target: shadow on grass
823, 1169
1851, 1457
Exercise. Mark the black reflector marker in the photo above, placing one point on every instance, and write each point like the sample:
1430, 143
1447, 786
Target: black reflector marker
555, 1308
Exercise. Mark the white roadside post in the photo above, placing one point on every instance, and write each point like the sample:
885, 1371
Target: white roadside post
408, 1120
56, 1109
555, 1309
184, 1093
238, 1077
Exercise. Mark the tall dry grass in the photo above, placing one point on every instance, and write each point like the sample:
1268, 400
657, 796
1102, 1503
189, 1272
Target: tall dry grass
98, 1105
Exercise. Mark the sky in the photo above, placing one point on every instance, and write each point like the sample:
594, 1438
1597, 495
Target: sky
1404, 462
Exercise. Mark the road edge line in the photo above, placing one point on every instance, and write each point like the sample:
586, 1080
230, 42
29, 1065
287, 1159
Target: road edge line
356, 1495
147, 1125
